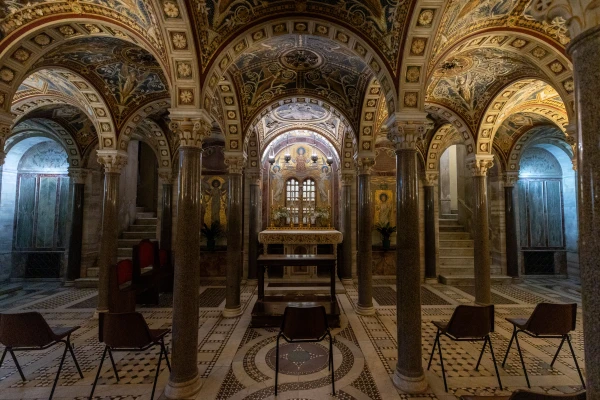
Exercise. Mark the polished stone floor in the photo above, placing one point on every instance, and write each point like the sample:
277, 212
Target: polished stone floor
237, 362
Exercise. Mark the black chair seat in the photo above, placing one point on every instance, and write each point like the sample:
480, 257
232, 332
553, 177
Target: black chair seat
441, 325
520, 322
63, 331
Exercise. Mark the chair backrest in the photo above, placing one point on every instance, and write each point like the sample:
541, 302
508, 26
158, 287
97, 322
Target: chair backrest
123, 330
471, 321
28, 329
124, 271
304, 323
163, 257
553, 319
146, 256
529, 395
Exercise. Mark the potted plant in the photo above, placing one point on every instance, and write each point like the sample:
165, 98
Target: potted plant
280, 215
386, 231
211, 234
321, 216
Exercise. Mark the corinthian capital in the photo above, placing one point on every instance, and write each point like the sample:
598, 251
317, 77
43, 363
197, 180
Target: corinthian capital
113, 160
405, 130
6, 120
191, 128
348, 178
235, 162
480, 163
254, 175
78, 175
431, 178
166, 175
510, 179
365, 165
579, 15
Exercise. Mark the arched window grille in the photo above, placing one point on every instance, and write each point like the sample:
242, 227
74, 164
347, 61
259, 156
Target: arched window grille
308, 200
292, 199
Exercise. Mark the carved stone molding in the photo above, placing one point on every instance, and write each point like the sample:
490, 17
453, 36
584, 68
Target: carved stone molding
510, 179
6, 121
365, 165
2, 158
480, 164
191, 127
166, 175
406, 130
235, 162
254, 176
431, 178
348, 178
113, 160
78, 175
579, 15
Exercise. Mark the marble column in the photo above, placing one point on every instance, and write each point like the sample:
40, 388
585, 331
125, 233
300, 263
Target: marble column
510, 217
585, 52
255, 178
77, 177
113, 161
166, 216
184, 380
409, 375
365, 241
430, 182
479, 165
235, 162
346, 212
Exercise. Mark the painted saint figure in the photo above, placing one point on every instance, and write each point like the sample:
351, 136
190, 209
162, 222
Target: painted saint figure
301, 160
384, 209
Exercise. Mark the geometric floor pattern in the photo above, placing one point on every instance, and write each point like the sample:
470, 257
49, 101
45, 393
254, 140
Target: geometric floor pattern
237, 362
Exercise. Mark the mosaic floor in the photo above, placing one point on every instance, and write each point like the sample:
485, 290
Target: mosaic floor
238, 362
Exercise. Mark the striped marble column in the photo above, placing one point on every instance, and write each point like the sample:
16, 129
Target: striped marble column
77, 177
365, 241
346, 213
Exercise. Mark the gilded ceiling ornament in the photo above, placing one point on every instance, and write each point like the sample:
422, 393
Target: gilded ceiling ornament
179, 40
556, 67
42, 39
411, 99
184, 70
413, 74
418, 46
186, 96
21, 54
67, 30
425, 17
569, 85
170, 9
301, 59
7, 75
539, 53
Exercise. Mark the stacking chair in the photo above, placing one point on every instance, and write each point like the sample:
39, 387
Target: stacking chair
467, 324
129, 332
30, 331
303, 325
548, 321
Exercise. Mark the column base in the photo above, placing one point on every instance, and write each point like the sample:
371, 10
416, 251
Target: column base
232, 312
69, 283
347, 281
183, 390
430, 281
97, 312
360, 310
409, 384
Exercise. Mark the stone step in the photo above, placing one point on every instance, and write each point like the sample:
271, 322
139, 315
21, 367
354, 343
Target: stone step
126, 252
147, 214
468, 243
453, 270
123, 258
457, 228
304, 289
461, 261
146, 221
83, 283
449, 216
449, 222
142, 228
469, 280
128, 242
455, 236
139, 235
92, 272
456, 252
10, 288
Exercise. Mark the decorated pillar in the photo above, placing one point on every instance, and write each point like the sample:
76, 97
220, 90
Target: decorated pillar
365, 241
184, 381
346, 207
166, 219
6, 121
77, 177
510, 216
235, 161
255, 178
430, 182
113, 161
479, 165
404, 131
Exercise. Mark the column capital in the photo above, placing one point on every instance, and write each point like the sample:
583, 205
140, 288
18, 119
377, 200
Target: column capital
78, 175
6, 121
571, 139
348, 178
166, 175
235, 161
510, 179
365, 165
480, 163
431, 178
406, 129
112, 160
2, 158
192, 127
254, 175
577, 15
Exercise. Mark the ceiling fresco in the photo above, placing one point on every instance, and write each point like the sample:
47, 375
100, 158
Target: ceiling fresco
464, 17
516, 124
294, 64
536, 92
126, 74
381, 22
466, 82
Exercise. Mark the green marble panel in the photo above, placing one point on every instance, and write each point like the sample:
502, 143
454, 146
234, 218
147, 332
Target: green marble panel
554, 207
537, 215
522, 194
63, 213
25, 212
46, 212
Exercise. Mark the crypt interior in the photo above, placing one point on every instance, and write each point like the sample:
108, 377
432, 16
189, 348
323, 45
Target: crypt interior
207, 163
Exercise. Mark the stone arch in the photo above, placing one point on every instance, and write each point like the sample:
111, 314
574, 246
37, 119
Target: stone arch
252, 149
542, 133
369, 117
445, 136
139, 116
228, 113
152, 134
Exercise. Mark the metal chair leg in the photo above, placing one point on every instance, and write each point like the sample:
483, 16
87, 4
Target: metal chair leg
332, 369
276, 364
509, 345
12, 354
494, 360
112, 361
98, 373
62, 361
164, 349
481, 354
74, 358
522, 360
442, 362
156, 375
437, 337
558, 351
575, 359
3, 355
